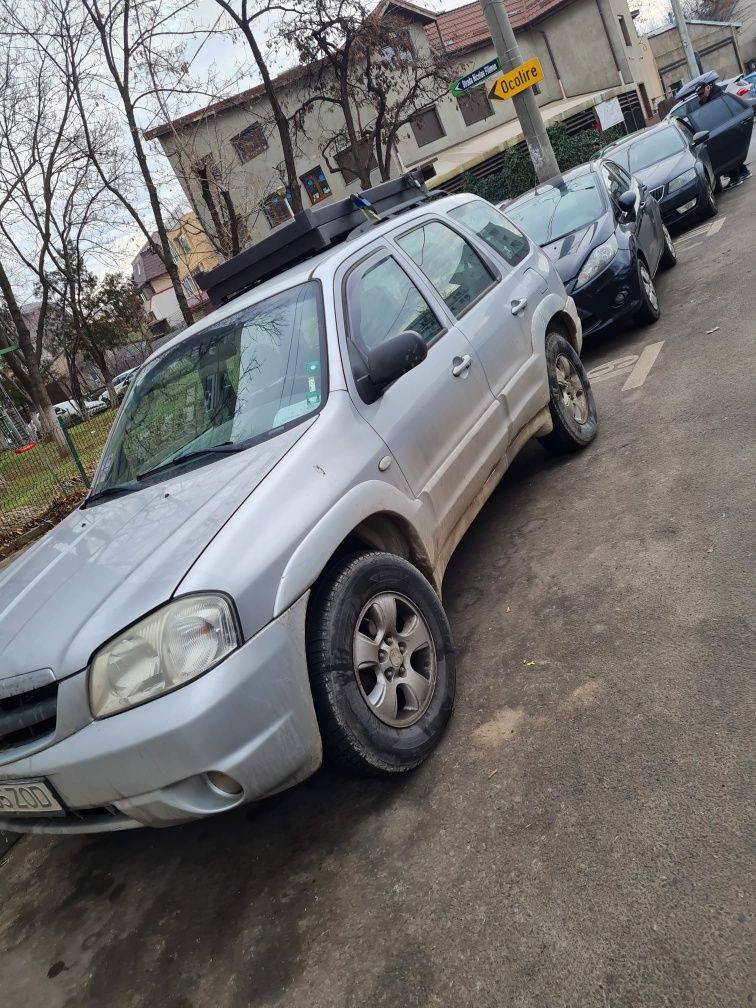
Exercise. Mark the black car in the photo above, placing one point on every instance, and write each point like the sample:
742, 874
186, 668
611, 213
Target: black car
675, 165
729, 122
604, 233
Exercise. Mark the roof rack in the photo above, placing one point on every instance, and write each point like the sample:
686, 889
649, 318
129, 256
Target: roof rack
313, 231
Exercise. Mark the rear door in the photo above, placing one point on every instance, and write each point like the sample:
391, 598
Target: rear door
491, 305
440, 420
729, 123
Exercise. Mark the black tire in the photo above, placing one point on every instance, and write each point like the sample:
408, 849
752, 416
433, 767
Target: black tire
669, 255
649, 312
570, 433
709, 206
354, 736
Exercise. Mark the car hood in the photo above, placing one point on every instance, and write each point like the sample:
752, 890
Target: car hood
658, 174
569, 253
104, 567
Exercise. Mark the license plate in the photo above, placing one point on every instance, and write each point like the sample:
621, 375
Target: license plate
31, 798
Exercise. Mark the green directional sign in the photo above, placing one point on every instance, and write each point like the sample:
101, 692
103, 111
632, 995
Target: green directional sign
474, 78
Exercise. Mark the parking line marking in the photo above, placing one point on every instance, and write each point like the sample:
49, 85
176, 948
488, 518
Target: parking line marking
642, 367
716, 226
703, 229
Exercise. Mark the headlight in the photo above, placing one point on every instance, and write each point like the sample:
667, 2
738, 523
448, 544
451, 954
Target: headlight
598, 259
682, 180
171, 647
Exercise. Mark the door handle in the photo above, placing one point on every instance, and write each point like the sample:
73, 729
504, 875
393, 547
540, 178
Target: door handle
518, 306
461, 364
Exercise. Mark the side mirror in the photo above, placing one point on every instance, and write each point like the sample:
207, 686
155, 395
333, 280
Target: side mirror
700, 138
389, 361
626, 203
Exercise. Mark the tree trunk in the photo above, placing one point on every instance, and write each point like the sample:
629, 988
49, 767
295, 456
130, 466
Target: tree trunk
37, 388
102, 364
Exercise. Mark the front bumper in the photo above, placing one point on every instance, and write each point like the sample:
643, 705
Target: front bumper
611, 297
251, 718
682, 203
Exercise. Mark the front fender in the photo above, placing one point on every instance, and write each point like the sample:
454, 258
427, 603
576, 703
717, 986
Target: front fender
318, 546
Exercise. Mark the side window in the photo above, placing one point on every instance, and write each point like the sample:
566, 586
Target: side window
382, 302
733, 105
451, 264
711, 115
624, 178
613, 182
496, 230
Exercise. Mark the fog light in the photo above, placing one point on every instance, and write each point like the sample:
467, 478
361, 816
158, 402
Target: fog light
222, 782
686, 206
620, 298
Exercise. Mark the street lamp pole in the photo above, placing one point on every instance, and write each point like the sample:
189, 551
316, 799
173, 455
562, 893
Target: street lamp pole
526, 107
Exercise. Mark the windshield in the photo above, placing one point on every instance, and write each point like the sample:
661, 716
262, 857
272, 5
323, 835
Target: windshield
237, 382
556, 211
650, 150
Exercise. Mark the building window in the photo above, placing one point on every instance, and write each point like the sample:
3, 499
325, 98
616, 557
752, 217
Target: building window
188, 284
474, 105
250, 142
347, 161
277, 209
316, 184
427, 127
174, 253
183, 243
625, 32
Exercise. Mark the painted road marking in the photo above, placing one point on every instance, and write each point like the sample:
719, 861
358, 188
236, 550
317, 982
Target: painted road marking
602, 372
707, 229
642, 366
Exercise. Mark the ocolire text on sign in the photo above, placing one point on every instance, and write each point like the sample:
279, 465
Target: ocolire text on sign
522, 77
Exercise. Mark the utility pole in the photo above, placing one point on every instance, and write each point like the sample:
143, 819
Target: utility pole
687, 45
526, 107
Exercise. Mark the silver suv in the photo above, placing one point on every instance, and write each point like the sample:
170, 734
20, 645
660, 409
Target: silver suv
255, 575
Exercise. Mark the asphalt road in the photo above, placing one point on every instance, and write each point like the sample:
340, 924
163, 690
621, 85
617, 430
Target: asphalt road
582, 836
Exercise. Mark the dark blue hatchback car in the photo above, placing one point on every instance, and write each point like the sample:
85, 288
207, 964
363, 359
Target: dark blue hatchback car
604, 232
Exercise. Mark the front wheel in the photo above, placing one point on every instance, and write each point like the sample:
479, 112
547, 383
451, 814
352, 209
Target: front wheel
649, 311
381, 663
708, 203
669, 255
571, 403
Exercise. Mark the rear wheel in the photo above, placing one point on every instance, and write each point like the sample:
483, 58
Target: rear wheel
669, 255
709, 206
649, 311
381, 664
571, 403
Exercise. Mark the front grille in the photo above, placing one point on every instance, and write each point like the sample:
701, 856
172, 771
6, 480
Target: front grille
658, 193
28, 716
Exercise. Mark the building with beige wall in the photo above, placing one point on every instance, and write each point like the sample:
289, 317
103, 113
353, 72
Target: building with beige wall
715, 44
589, 50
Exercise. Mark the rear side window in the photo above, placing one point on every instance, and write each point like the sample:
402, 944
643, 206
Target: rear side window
492, 227
710, 115
451, 264
382, 302
735, 107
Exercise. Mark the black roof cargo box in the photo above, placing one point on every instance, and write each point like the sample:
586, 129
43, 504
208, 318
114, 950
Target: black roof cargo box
311, 232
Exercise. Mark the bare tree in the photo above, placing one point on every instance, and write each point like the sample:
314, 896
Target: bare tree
247, 15
370, 66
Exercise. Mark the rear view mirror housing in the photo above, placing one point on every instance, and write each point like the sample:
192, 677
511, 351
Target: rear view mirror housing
700, 138
626, 203
389, 361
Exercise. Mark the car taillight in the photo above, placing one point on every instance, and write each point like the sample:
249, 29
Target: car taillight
743, 90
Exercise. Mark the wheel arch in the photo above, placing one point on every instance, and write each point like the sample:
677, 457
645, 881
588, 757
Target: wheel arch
566, 325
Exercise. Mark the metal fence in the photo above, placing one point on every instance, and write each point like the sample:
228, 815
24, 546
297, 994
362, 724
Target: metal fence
38, 487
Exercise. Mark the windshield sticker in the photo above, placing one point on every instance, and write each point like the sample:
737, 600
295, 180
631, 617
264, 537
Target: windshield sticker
293, 412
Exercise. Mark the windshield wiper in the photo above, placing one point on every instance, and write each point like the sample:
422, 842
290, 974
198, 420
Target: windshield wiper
111, 491
227, 448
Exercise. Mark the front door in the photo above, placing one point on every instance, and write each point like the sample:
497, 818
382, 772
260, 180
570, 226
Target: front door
440, 420
729, 124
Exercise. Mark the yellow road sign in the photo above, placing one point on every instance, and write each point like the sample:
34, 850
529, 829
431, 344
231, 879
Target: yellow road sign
522, 77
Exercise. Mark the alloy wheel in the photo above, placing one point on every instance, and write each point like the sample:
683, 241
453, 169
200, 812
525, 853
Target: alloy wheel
394, 660
571, 389
648, 287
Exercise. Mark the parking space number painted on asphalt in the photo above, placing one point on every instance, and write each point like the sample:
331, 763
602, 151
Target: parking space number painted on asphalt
638, 366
